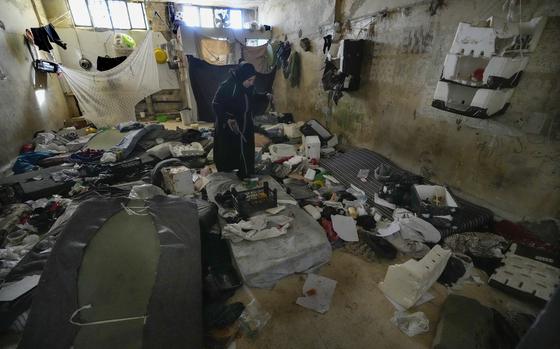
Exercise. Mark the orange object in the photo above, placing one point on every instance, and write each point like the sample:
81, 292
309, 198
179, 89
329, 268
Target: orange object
311, 292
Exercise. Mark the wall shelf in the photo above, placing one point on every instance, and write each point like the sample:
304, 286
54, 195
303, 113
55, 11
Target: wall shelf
471, 101
485, 72
484, 65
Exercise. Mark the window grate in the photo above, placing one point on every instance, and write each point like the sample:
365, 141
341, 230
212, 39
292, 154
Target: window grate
110, 14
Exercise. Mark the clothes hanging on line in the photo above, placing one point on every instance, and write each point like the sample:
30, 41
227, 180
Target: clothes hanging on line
43, 36
327, 43
294, 68
107, 63
109, 97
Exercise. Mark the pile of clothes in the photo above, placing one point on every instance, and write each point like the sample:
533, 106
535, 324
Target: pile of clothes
339, 197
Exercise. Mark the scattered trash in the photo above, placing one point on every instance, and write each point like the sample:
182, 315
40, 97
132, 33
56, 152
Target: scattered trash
458, 269
184, 150
257, 228
108, 157
345, 227
318, 291
406, 283
382, 173
383, 202
411, 324
145, 191
359, 194
281, 151
313, 211
528, 272
332, 179
275, 210
254, 318
312, 146
12, 290
310, 174
363, 175
386, 228
415, 228
426, 297
178, 180
478, 244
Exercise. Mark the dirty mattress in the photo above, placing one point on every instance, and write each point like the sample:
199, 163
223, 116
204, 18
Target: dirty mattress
262, 263
345, 167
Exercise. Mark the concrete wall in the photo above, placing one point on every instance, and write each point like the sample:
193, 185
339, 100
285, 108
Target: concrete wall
502, 163
21, 112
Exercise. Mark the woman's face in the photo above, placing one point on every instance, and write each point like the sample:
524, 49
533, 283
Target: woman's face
249, 82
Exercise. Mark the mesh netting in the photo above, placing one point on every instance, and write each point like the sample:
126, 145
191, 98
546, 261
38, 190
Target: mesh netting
108, 97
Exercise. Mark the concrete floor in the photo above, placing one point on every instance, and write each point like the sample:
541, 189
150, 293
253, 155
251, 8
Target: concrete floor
359, 316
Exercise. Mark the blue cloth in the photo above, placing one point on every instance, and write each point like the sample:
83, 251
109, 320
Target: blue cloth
129, 126
27, 161
127, 144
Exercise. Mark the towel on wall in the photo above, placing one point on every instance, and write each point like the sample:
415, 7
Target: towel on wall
257, 56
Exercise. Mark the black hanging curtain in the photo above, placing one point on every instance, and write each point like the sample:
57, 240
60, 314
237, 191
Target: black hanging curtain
205, 79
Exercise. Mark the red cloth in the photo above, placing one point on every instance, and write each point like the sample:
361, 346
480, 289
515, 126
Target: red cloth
519, 234
327, 225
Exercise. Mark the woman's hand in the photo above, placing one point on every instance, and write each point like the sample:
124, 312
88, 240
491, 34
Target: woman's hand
233, 126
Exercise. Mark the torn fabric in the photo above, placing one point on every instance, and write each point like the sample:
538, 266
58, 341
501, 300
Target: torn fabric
257, 56
109, 97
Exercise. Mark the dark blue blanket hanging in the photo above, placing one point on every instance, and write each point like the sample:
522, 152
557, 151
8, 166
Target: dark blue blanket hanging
205, 79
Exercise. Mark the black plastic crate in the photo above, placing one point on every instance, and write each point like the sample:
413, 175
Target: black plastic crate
250, 201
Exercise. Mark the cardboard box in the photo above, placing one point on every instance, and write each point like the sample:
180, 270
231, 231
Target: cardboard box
442, 202
178, 180
312, 147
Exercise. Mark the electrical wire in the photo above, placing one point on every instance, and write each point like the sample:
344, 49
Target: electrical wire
75, 31
89, 306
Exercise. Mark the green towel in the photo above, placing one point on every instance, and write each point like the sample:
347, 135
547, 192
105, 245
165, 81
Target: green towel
294, 69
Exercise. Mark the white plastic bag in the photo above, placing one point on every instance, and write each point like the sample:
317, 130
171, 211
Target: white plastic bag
411, 324
145, 191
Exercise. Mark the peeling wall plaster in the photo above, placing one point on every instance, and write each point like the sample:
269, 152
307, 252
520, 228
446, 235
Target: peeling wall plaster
496, 162
21, 112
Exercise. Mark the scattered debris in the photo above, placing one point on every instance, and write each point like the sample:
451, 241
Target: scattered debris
411, 324
406, 283
318, 291
528, 272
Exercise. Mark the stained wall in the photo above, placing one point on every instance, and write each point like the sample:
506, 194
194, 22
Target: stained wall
509, 163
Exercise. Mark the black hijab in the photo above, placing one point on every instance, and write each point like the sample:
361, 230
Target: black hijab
244, 71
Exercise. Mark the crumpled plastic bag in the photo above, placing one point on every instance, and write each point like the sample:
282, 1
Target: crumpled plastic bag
411, 324
108, 157
254, 317
358, 193
145, 191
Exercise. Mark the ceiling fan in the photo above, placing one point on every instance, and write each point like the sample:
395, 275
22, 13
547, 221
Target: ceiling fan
222, 20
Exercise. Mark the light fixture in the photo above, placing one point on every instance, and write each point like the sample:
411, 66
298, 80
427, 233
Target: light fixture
41, 96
